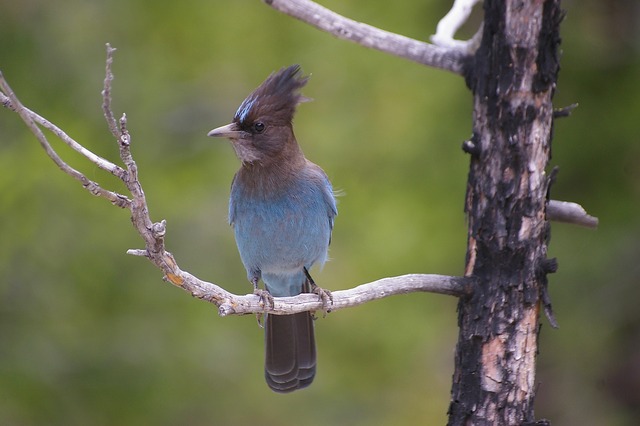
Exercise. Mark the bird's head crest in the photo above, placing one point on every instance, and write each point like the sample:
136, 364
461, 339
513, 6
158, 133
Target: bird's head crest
276, 98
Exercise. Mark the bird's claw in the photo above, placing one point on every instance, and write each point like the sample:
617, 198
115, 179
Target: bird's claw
266, 299
325, 296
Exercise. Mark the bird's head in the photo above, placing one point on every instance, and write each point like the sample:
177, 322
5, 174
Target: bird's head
261, 128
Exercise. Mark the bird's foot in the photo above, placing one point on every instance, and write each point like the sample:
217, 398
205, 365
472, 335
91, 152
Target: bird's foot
325, 295
266, 299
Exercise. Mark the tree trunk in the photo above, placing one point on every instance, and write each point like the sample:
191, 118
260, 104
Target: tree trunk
513, 78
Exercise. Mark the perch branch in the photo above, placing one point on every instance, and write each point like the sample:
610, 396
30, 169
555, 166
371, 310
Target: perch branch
232, 304
411, 283
449, 58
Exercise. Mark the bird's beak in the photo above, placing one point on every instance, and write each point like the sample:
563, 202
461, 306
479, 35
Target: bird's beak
231, 131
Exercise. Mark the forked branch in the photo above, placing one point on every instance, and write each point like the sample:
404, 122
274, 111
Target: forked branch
33, 120
451, 23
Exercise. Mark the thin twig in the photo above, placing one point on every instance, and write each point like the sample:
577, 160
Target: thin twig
565, 111
60, 134
10, 100
106, 94
152, 233
447, 58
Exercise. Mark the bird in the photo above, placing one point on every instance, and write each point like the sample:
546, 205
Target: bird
282, 209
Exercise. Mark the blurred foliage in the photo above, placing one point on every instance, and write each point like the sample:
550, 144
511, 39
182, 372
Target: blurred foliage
91, 336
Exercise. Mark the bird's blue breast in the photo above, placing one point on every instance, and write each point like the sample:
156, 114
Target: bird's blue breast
281, 231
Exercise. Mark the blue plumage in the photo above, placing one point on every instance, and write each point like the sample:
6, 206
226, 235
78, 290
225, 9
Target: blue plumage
279, 233
282, 209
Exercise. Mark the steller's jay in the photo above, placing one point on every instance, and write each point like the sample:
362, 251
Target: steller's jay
282, 208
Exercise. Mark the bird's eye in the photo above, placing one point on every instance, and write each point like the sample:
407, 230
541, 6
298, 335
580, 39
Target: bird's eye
259, 127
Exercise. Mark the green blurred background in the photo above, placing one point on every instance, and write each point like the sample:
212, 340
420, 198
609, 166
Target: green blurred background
91, 336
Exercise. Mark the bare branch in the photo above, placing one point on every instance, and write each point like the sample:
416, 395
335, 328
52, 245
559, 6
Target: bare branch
385, 287
565, 111
447, 58
564, 211
10, 102
31, 119
232, 304
451, 23
106, 94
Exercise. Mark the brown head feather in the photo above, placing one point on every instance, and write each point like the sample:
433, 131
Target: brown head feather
277, 98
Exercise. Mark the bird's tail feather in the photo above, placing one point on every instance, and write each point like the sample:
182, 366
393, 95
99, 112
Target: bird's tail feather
290, 351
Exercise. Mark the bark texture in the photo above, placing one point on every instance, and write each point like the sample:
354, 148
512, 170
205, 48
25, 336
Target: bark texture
513, 79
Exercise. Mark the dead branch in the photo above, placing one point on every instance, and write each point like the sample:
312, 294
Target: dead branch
451, 23
32, 120
564, 211
450, 57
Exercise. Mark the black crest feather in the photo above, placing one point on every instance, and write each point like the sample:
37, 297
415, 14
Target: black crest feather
276, 98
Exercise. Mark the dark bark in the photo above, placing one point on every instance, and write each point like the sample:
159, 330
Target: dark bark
513, 79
